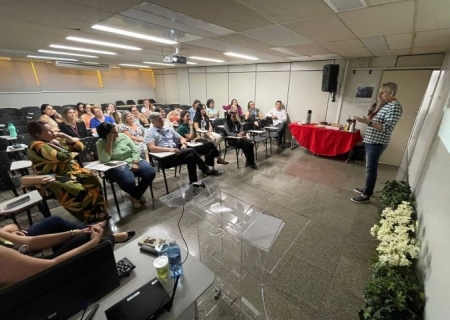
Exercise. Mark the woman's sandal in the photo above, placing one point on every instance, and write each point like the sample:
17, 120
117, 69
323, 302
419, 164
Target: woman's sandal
130, 235
222, 162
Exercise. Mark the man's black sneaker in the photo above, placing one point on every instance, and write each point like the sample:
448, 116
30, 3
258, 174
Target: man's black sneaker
214, 172
360, 199
359, 190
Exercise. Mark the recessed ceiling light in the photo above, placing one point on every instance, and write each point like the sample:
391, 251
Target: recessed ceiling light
103, 43
132, 34
206, 59
191, 63
133, 65
67, 53
238, 55
285, 50
57, 46
346, 5
5, 58
50, 58
159, 63
376, 44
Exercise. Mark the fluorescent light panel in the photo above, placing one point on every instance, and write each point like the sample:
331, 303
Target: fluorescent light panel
50, 58
346, 5
159, 63
376, 44
191, 62
238, 55
206, 59
103, 43
285, 50
67, 53
57, 46
133, 65
132, 34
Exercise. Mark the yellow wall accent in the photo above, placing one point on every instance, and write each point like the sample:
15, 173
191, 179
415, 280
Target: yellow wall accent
100, 81
35, 74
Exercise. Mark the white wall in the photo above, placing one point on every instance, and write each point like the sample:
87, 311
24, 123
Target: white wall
297, 84
433, 201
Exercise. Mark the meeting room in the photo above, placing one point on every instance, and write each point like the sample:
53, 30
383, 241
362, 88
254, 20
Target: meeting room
221, 160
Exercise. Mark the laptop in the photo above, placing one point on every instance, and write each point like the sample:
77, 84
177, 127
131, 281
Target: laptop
64, 289
146, 303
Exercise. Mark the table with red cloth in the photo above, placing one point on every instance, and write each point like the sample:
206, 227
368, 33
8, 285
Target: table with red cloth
323, 141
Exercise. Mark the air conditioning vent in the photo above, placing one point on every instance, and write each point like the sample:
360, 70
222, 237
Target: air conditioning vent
82, 65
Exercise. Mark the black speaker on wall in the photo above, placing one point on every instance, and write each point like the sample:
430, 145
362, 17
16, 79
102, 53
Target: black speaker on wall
329, 77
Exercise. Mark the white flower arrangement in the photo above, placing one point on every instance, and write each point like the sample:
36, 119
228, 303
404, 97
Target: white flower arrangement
397, 247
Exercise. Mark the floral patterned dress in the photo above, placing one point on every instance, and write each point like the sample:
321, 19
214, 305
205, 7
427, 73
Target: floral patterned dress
139, 133
76, 188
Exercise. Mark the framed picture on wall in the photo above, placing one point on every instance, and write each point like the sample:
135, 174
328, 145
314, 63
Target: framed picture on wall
364, 94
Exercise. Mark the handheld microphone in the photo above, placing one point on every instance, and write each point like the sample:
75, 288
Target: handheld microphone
372, 108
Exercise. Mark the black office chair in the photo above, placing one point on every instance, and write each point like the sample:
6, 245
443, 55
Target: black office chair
11, 112
152, 101
154, 161
140, 101
185, 107
257, 138
120, 103
4, 144
24, 139
131, 102
30, 109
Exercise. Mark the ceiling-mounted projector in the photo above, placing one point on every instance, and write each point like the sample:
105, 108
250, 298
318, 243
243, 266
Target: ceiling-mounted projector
175, 58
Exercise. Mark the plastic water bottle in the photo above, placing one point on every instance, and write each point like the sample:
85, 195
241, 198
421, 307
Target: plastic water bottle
175, 265
308, 117
203, 124
162, 248
12, 130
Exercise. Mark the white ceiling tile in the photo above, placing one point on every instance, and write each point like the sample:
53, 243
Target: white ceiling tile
109, 5
178, 18
372, 3
283, 11
427, 50
228, 14
326, 56
433, 15
322, 29
304, 58
310, 49
399, 41
348, 48
277, 35
397, 52
241, 40
432, 38
381, 20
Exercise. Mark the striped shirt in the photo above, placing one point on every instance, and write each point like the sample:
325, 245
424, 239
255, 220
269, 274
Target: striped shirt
388, 116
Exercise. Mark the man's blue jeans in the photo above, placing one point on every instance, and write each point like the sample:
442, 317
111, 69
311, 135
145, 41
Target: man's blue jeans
373, 154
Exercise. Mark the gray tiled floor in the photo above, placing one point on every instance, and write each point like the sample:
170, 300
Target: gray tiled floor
324, 271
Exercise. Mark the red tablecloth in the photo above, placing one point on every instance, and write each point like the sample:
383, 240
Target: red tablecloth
324, 142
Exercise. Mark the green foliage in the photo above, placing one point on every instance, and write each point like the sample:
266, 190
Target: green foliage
394, 292
393, 193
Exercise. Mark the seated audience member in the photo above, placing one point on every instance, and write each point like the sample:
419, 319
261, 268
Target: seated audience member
279, 118
207, 149
139, 118
211, 136
253, 115
50, 116
113, 145
75, 188
233, 107
55, 225
87, 115
194, 107
166, 121
111, 111
135, 132
98, 119
165, 139
212, 113
232, 127
173, 116
147, 108
79, 108
71, 125
17, 266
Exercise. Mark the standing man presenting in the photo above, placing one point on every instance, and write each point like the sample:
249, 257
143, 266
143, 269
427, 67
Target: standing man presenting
279, 117
382, 117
